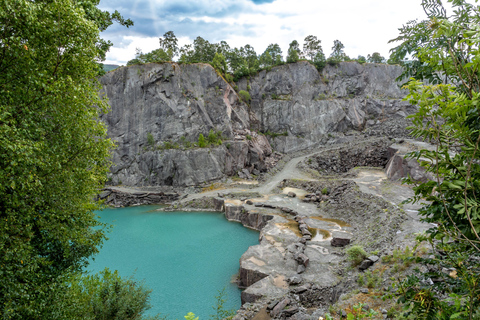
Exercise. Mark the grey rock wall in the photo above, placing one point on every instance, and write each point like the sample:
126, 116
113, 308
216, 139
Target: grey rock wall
175, 103
309, 106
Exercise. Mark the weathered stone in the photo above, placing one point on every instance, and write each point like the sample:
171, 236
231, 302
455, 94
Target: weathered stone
301, 269
302, 259
295, 280
339, 242
218, 204
365, 264
247, 297
364, 290
279, 307
291, 194
373, 258
302, 289
249, 277
249, 202
290, 311
272, 305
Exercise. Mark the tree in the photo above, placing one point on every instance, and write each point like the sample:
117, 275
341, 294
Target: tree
169, 45
106, 296
219, 63
319, 61
275, 53
312, 47
204, 51
361, 59
293, 52
448, 117
337, 51
157, 55
251, 59
53, 149
375, 58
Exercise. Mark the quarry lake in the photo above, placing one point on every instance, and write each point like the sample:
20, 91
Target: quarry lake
184, 257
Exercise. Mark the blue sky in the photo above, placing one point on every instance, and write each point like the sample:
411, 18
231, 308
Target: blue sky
363, 26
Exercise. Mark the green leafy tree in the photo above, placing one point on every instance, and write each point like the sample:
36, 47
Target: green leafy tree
169, 45
53, 149
186, 54
448, 118
319, 60
293, 52
361, 59
266, 60
219, 63
157, 55
337, 51
375, 58
311, 47
105, 295
251, 59
273, 55
204, 51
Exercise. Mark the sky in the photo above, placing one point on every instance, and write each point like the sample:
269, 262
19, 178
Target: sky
363, 26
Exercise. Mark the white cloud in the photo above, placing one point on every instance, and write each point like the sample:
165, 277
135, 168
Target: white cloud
363, 26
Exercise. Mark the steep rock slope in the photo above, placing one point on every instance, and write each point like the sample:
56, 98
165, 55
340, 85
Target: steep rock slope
155, 105
307, 107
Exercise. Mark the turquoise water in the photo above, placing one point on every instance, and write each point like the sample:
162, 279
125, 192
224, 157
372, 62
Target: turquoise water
184, 257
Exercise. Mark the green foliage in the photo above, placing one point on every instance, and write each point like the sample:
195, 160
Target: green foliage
361, 59
220, 311
361, 280
245, 96
150, 140
157, 55
53, 149
106, 296
294, 52
337, 54
275, 134
169, 45
325, 191
375, 58
374, 278
272, 56
201, 141
319, 61
356, 255
360, 313
219, 63
446, 52
214, 137
190, 316
311, 47
249, 137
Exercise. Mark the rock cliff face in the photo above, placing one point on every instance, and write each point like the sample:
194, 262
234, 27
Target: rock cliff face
155, 107
307, 106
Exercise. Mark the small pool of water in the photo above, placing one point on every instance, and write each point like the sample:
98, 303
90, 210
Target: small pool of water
184, 257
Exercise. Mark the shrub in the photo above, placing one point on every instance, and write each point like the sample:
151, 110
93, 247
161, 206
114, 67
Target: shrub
245, 96
201, 141
150, 139
356, 255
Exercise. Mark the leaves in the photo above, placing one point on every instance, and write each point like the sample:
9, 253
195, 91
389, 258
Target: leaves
53, 149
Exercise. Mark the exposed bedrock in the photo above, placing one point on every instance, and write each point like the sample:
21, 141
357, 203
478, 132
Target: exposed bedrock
159, 110
307, 105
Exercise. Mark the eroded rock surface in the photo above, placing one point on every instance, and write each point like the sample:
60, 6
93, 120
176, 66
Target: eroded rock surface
158, 112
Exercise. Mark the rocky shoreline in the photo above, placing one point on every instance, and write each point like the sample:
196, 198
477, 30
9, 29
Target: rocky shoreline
299, 268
